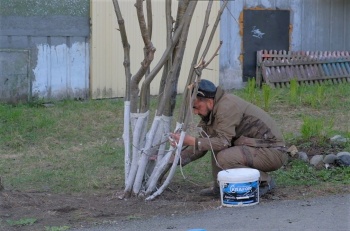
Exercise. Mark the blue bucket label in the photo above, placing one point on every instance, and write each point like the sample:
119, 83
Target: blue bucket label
240, 193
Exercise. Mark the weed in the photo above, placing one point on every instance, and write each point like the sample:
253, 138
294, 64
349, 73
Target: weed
56, 228
132, 217
22, 222
315, 128
266, 92
293, 92
251, 90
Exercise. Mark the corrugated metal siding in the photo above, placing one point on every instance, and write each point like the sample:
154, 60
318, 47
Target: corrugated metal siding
316, 25
321, 25
107, 71
324, 25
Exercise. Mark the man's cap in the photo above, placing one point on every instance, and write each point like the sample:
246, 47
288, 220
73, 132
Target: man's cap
206, 89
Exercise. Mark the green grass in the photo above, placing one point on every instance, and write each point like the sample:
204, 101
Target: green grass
76, 146
198, 173
69, 147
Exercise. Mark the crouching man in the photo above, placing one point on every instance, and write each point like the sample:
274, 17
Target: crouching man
238, 133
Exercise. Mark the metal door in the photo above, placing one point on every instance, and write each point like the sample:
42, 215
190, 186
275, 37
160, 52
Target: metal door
263, 30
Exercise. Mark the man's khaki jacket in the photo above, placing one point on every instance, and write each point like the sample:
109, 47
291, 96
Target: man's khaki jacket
234, 121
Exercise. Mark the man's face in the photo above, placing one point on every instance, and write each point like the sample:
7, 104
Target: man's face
203, 107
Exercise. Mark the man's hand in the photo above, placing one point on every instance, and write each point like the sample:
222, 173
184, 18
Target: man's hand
188, 140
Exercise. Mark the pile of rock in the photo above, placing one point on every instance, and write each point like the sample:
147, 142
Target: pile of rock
341, 159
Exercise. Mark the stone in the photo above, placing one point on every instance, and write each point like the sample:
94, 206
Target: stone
338, 139
316, 159
320, 166
343, 153
329, 159
303, 156
343, 161
292, 150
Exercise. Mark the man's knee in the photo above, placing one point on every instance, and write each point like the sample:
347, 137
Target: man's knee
231, 157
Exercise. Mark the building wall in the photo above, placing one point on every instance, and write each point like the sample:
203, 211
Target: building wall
317, 25
107, 55
45, 45
55, 34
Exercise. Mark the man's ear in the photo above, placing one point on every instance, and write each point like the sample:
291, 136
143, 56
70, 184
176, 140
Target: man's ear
210, 103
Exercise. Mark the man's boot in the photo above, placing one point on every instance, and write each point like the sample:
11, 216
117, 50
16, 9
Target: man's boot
266, 187
211, 192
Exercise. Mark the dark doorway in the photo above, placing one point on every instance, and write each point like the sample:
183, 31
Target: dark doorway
263, 30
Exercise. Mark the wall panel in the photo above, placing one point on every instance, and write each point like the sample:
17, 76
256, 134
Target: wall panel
107, 55
56, 35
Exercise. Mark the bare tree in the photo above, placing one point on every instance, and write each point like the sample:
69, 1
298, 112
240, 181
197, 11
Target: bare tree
147, 152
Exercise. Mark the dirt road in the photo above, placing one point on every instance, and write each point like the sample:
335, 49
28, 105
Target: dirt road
319, 213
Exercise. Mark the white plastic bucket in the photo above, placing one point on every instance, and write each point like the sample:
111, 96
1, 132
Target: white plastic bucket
239, 187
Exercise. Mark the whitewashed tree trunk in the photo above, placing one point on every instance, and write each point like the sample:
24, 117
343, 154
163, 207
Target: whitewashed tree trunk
139, 125
126, 139
162, 154
145, 155
177, 151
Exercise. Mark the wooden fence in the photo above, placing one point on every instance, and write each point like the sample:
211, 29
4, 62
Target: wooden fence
277, 68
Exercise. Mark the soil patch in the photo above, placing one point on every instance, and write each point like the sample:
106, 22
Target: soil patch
55, 210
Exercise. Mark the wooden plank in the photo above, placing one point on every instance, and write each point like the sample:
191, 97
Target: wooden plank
334, 69
325, 69
307, 66
273, 75
297, 72
266, 73
308, 69
314, 70
303, 72
345, 71
320, 69
339, 69
258, 73
284, 76
279, 73
289, 73
301, 62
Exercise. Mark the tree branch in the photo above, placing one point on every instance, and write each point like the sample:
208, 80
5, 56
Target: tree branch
172, 79
158, 67
191, 75
149, 54
218, 17
126, 47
